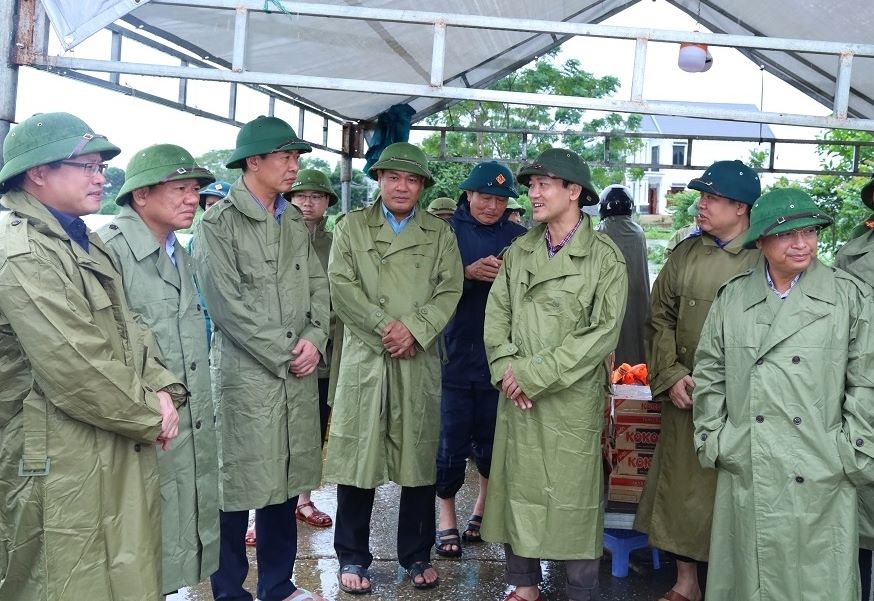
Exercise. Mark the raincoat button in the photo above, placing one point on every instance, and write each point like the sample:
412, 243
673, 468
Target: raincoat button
197, 424
708, 251
15, 222
527, 299
860, 442
759, 361
796, 359
289, 335
309, 314
538, 359
379, 313
193, 366
799, 479
317, 323
383, 261
297, 266
760, 418
381, 300
137, 447
112, 226
691, 303
198, 307
683, 349
704, 436
796, 420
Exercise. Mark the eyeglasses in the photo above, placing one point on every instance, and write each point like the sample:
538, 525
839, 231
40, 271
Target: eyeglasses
89, 169
310, 197
806, 233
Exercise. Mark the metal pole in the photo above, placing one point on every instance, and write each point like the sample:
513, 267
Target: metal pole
8, 70
345, 182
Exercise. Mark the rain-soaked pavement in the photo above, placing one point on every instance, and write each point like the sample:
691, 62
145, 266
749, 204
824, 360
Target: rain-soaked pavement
478, 575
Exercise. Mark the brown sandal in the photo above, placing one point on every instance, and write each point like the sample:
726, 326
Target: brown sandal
514, 596
317, 518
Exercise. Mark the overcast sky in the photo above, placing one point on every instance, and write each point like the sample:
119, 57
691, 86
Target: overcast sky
133, 123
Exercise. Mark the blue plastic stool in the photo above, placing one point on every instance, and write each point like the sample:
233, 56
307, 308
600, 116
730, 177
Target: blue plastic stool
621, 543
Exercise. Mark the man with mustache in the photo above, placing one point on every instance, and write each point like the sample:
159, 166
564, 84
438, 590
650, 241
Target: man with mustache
268, 299
677, 502
160, 196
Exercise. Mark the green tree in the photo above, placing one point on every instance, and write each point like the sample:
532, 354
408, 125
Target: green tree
679, 202
214, 160
544, 76
114, 181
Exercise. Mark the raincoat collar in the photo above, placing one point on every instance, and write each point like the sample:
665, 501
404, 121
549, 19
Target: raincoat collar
579, 245
419, 231
862, 245
245, 202
143, 244
733, 247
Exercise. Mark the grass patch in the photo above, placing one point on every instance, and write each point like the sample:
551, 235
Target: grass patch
652, 233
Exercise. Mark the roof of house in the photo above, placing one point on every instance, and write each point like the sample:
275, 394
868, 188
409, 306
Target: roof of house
691, 127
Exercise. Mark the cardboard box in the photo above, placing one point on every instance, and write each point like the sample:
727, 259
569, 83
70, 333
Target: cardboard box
635, 406
635, 437
625, 489
632, 392
631, 463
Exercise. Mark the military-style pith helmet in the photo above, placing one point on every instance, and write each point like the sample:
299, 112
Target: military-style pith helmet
219, 188
513, 206
492, 178
867, 193
733, 180
783, 210
442, 206
159, 164
264, 135
562, 164
403, 156
49, 137
313, 180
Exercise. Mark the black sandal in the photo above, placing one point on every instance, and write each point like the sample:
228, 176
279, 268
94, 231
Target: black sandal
359, 571
471, 534
418, 569
445, 538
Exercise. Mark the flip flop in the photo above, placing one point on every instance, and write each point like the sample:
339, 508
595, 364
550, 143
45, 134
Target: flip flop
418, 569
307, 595
359, 571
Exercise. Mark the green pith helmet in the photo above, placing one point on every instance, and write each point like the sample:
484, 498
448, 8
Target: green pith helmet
562, 164
733, 180
403, 156
442, 206
264, 135
783, 210
492, 178
513, 206
49, 137
313, 180
867, 193
158, 164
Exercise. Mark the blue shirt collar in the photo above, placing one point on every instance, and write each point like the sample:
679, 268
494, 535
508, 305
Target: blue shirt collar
73, 225
397, 226
279, 206
170, 247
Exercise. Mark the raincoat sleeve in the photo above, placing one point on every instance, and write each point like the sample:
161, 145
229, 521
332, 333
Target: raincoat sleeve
364, 318
497, 330
584, 349
317, 328
709, 411
664, 364
427, 322
856, 436
222, 286
155, 371
70, 358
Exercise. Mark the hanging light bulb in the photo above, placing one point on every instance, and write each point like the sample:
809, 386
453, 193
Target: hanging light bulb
694, 58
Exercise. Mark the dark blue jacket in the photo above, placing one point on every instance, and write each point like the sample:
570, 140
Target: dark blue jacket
466, 354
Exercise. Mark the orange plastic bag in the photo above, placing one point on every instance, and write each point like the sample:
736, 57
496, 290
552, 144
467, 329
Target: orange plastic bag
627, 374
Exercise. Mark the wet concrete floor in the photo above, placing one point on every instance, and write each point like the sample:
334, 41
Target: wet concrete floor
478, 575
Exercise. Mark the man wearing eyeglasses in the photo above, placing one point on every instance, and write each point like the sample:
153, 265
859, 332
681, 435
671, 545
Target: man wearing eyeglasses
784, 411
160, 196
267, 295
677, 502
84, 396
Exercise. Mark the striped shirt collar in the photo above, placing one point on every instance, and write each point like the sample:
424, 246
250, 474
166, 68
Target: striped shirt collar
551, 249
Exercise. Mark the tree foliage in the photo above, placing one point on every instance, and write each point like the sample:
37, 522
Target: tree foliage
114, 181
544, 77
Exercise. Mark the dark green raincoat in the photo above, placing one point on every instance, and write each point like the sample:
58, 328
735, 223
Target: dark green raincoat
79, 376
385, 423
164, 297
677, 502
784, 410
556, 321
265, 290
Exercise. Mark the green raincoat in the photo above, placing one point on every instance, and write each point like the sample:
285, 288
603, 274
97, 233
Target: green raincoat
385, 423
265, 290
784, 410
556, 321
79, 375
163, 296
857, 258
677, 502
321, 241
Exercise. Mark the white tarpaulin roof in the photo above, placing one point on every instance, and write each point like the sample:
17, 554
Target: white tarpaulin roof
400, 52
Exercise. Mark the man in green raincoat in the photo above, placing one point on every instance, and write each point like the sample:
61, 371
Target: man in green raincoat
857, 258
84, 395
159, 196
677, 502
552, 319
396, 277
268, 298
784, 410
